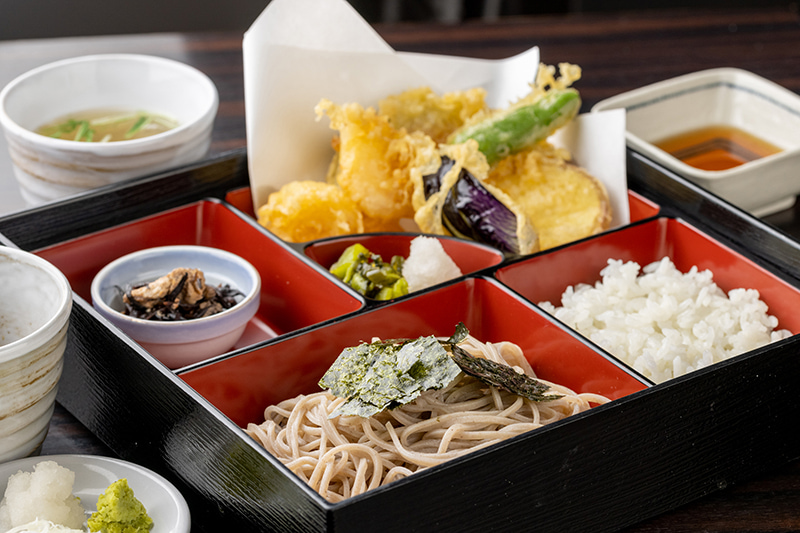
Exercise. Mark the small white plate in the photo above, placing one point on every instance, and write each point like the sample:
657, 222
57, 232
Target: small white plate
93, 474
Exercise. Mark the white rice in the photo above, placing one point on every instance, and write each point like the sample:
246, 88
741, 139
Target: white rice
664, 323
428, 264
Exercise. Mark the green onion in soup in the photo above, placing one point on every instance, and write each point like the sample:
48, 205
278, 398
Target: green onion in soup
107, 126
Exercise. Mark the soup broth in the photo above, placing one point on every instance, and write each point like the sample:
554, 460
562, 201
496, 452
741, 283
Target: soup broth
717, 147
107, 126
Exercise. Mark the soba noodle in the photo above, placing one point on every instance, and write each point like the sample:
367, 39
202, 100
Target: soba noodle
348, 455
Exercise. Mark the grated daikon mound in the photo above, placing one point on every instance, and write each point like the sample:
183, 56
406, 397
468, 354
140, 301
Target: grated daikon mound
664, 323
428, 264
44, 494
43, 526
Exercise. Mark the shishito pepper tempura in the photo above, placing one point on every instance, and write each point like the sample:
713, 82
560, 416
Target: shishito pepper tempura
453, 166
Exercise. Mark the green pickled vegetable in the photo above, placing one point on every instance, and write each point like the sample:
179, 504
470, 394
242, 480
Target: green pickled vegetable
521, 127
369, 274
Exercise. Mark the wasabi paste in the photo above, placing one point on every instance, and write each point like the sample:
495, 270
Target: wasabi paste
118, 511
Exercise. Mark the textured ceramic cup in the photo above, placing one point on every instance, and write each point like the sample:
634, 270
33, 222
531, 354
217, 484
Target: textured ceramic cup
35, 305
179, 343
48, 168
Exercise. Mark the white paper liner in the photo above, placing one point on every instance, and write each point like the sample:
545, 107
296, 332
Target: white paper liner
300, 51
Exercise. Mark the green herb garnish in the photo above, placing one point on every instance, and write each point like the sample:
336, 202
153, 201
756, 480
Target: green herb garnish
387, 374
139, 124
98, 126
85, 133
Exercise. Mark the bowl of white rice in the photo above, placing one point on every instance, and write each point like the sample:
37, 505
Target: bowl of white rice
35, 305
663, 322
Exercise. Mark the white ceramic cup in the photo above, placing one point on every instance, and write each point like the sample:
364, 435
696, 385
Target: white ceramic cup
48, 168
35, 305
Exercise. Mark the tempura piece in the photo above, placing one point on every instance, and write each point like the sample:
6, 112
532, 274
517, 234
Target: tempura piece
530, 120
562, 201
546, 79
421, 109
373, 162
306, 210
512, 235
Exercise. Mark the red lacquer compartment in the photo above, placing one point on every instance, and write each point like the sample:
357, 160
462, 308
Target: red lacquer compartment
469, 256
241, 199
242, 385
640, 207
545, 277
294, 294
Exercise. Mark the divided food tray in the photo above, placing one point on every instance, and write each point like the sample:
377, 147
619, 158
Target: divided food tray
652, 449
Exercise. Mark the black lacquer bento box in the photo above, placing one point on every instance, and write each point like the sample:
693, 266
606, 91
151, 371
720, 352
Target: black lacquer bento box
652, 449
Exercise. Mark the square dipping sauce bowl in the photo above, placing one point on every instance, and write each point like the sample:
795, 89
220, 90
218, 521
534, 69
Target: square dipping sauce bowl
725, 97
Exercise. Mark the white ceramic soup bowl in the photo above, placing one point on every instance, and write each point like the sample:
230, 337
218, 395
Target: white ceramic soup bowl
179, 343
35, 305
721, 97
50, 168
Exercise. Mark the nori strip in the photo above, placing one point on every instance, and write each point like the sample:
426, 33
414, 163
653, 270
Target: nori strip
387, 374
501, 376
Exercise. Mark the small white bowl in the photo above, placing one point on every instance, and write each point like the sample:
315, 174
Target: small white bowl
727, 97
48, 168
35, 305
179, 343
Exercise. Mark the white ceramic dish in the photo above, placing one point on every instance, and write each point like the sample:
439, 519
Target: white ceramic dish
178, 344
35, 306
728, 97
48, 168
93, 474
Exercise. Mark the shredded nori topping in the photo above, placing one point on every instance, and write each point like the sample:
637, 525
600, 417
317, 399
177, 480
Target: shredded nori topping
387, 374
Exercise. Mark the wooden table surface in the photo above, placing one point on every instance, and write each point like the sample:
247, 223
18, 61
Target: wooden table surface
617, 51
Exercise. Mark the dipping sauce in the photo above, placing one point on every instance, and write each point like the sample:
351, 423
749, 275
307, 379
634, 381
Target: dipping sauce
717, 147
107, 126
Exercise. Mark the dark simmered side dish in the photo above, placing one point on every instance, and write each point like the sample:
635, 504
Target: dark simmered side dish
181, 294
